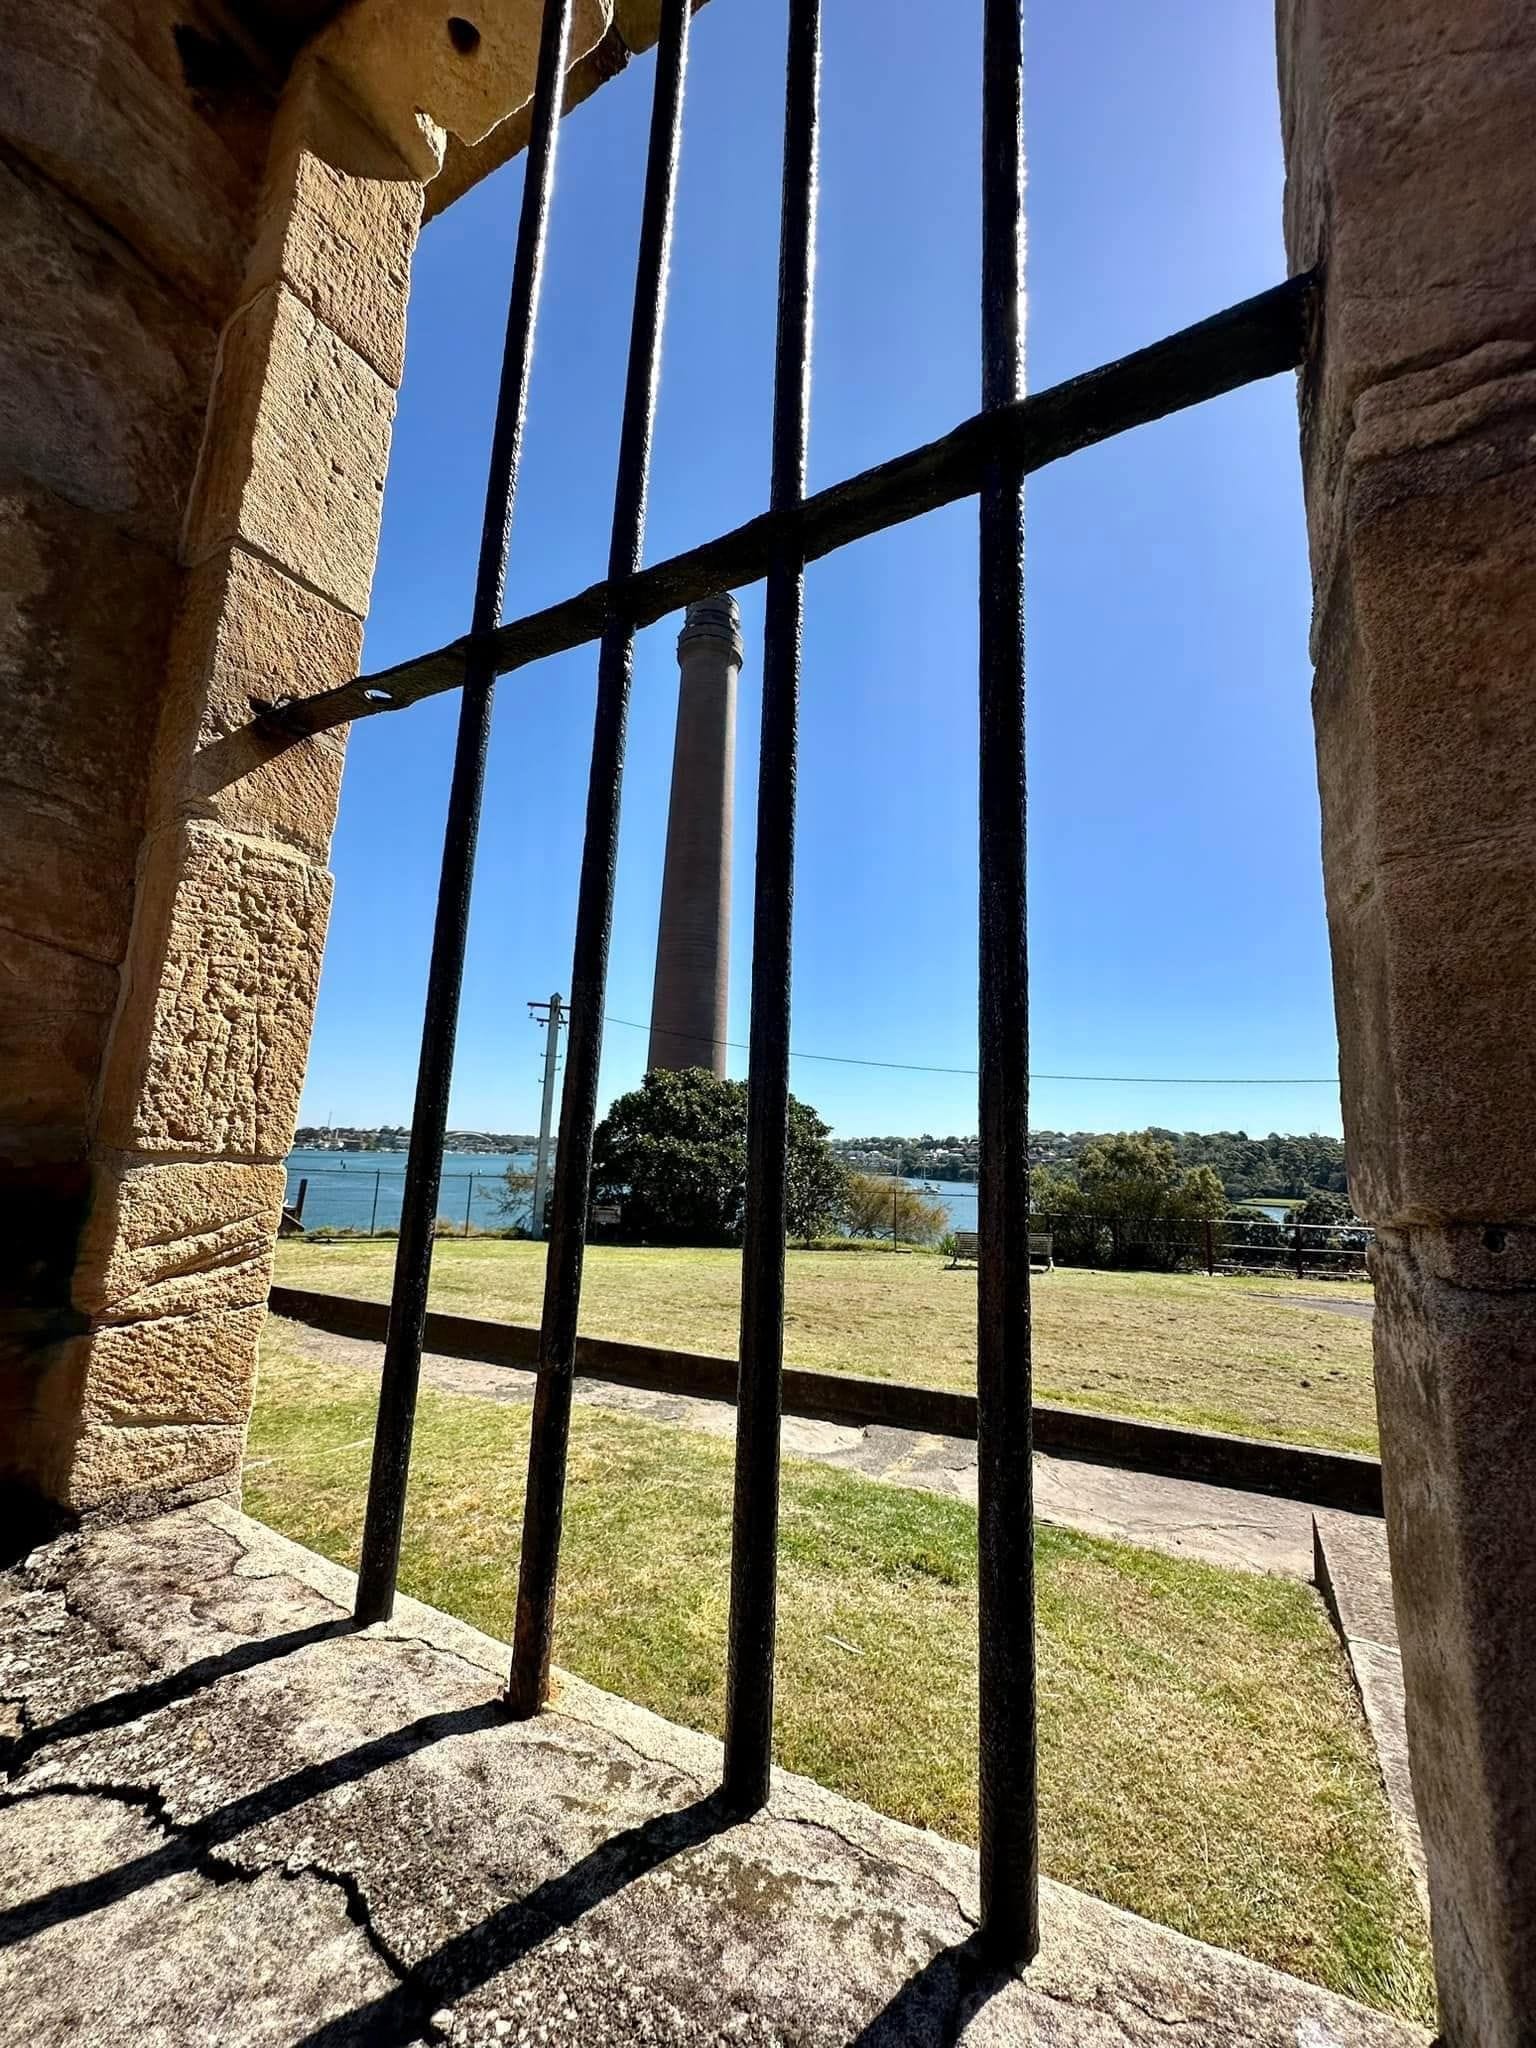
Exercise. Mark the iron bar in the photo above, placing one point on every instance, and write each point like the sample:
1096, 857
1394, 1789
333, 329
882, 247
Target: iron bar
544, 1503
1258, 338
477, 668
755, 1530
1004, 1469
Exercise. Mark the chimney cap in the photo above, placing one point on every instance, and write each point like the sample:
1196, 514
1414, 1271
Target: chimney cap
716, 618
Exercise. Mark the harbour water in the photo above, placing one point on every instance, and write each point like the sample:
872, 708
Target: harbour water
363, 1190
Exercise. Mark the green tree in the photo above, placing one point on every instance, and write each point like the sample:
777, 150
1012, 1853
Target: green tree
515, 1199
876, 1205
1053, 1194
672, 1154
1200, 1193
1133, 1175
1323, 1207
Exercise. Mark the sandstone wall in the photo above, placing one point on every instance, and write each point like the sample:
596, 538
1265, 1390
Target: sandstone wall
206, 230
125, 193
1412, 181
206, 274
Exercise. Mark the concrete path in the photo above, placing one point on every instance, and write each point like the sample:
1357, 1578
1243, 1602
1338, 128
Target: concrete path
1216, 1524
1336, 1305
1354, 1577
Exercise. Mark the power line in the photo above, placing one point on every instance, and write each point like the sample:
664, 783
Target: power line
843, 1059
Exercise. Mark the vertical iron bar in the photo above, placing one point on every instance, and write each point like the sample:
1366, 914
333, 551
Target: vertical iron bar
469, 1204
755, 1530
1005, 1497
373, 1219
544, 1503
429, 1117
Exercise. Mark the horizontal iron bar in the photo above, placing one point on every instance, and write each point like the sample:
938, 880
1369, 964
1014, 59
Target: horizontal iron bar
1258, 338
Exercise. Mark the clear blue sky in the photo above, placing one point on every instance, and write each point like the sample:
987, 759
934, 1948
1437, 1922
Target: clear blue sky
1177, 918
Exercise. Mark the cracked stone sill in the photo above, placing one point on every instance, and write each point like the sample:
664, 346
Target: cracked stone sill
480, 1880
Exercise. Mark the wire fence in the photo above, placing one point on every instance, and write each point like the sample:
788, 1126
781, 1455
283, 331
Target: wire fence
1234, 1243
365, 1201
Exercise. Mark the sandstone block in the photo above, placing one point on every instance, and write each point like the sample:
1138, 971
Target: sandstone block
338, 220
83, 618
104, 374
416, 72
1456, 1381
55, 1011
296, 450
1435, 978
177, 1240
181, 1371
1426, 737
466, 164
100, 98
208, 1056
1428, 700
246, 631
159, 1466
1408, 172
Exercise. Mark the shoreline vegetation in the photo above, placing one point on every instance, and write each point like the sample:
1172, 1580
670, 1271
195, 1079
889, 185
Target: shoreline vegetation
1281, 1168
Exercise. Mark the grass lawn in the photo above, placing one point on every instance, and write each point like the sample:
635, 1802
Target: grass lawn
1203, 1761
1221, 1353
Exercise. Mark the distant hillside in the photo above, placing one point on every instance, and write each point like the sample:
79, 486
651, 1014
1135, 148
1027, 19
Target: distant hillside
397, 1138
1279, 1164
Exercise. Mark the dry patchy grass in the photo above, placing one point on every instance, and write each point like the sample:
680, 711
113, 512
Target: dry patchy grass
1203, 1760
1227, 1354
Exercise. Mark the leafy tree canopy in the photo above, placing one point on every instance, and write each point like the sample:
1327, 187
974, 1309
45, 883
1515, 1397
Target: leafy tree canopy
672, 1154
1134, 1175
876, 1205
1126, 1198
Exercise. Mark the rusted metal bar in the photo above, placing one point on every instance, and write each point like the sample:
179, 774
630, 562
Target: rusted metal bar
477, 671
755, 1531
1004, 1470
1258, 338
544, 1504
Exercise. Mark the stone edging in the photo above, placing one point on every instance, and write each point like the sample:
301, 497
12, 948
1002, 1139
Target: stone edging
1332, 1479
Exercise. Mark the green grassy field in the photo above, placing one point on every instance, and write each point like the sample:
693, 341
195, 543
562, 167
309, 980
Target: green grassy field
1222, 1353
1203, 1760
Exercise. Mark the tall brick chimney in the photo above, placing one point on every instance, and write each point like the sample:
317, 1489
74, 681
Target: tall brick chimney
693, 945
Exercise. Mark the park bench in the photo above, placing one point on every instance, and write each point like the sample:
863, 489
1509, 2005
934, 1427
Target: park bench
967, 1246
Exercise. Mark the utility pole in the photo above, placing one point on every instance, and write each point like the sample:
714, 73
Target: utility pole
551, 1015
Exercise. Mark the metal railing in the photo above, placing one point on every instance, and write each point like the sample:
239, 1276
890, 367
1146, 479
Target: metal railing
986, 458
1234, 1243
369, 1201
363, 1201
